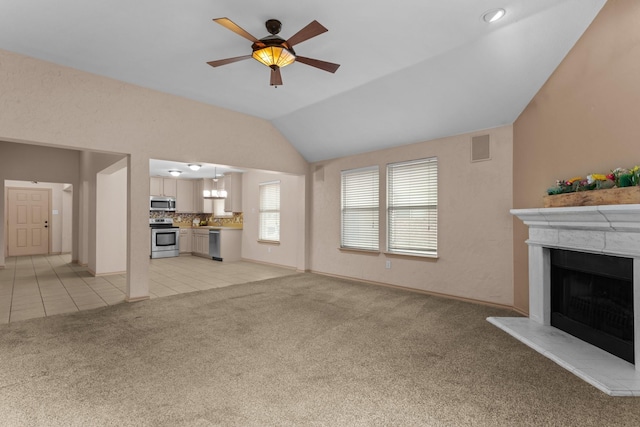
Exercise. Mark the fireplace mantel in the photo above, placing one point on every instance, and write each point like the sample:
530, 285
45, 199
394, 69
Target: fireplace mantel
609, 230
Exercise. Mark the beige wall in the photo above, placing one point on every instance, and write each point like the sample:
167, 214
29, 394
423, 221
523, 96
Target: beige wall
583, 120
47, 104
50, 104
291, 240
475, 227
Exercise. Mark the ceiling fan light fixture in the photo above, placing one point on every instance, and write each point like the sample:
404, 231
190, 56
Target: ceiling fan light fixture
275, 52
493, 15
277, 56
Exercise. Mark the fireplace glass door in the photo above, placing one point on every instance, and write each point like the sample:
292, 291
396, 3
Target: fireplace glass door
592, 299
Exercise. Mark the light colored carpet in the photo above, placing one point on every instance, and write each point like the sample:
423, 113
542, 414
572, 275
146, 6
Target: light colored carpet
294, 351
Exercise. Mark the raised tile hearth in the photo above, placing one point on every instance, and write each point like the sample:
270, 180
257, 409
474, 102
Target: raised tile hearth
610, 230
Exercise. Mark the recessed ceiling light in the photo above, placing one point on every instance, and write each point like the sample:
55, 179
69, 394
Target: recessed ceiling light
174, 172
194, 167
493, 15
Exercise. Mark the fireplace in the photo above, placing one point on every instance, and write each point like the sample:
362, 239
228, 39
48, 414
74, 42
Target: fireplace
584, 293
592, 299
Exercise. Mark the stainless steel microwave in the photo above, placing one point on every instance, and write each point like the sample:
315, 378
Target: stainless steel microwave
158, 203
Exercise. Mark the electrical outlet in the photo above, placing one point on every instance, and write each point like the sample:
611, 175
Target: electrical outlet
269, 249
388, 264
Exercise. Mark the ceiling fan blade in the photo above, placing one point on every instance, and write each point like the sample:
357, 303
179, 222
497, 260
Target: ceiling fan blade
276, 77
311, 30
323, 65
230, 25
220, 62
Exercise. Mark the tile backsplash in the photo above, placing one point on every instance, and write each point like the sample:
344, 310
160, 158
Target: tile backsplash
187, 218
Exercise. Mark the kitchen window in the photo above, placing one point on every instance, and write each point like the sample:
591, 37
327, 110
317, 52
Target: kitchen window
269, 221
412, 207
360, 209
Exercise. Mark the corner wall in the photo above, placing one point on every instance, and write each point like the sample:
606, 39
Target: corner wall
111, 220
474, 225
292, 240
583, 120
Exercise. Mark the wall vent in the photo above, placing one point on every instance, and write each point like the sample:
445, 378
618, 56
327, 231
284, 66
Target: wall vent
480, 148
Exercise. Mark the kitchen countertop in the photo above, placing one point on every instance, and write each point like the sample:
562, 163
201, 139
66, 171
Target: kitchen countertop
209, 227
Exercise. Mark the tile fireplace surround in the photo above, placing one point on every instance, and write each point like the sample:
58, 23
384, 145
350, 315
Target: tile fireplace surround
609, 230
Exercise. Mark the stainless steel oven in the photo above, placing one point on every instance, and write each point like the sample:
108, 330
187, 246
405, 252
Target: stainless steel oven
165, 238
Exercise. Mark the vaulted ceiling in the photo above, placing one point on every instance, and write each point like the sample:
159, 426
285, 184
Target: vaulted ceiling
411, 70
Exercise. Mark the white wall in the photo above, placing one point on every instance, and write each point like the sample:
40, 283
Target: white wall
67, 218
93, 165
111, 220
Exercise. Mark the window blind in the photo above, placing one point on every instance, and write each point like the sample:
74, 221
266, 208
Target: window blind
412, 207
269, 225
360, 209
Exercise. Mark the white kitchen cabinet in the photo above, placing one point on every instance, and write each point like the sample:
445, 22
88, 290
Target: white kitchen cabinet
201, 242
159, 186
233, 186
185, 193
198, 201
155, 186
186, 236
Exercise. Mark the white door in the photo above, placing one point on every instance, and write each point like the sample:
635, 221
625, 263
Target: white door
28, 221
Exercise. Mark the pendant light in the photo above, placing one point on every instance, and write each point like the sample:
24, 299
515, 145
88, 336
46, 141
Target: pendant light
215, 193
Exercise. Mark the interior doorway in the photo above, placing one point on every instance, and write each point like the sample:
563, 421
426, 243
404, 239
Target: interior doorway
59, 212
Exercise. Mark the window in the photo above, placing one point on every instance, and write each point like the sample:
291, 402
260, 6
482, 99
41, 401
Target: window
412, 207
360, 209
269, 228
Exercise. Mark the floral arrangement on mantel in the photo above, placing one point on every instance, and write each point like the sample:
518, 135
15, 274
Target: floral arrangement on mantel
621, 186
618, 178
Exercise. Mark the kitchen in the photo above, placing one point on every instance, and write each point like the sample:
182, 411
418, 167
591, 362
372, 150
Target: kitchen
195, 209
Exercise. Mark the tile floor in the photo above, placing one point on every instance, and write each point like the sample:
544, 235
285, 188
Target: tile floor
44, 285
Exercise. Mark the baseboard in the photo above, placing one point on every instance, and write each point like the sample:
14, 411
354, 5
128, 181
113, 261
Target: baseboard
421, 291
288, 267
520, 311
94, 274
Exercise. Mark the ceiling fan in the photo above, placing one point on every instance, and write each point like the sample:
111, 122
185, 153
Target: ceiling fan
275, 52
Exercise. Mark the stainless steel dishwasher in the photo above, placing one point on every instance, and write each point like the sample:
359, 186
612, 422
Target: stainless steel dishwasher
214, 245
